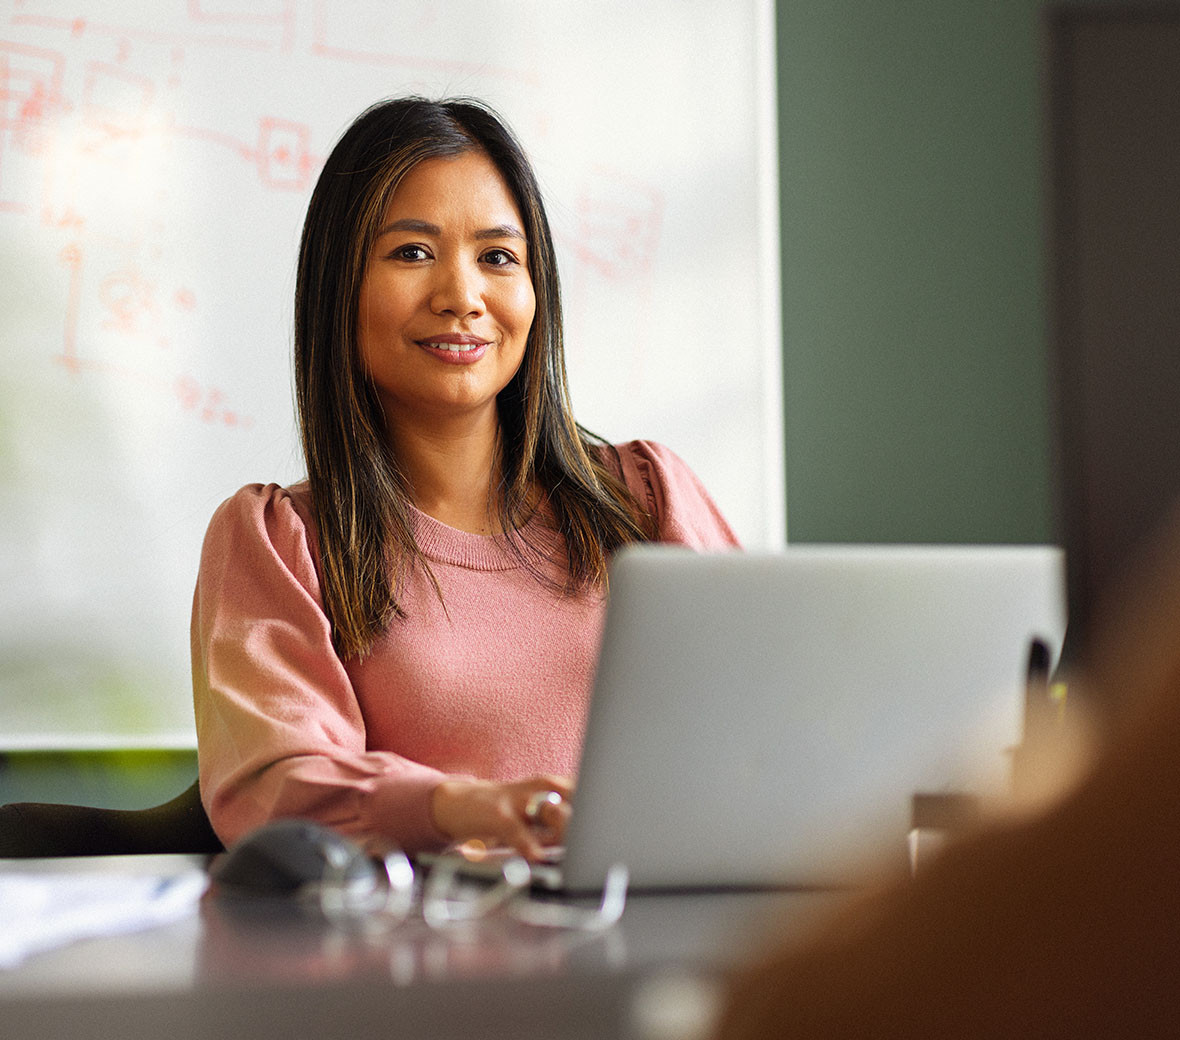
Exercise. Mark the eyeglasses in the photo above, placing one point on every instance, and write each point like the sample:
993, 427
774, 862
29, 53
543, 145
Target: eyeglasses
385, 895
385, 892
447, 900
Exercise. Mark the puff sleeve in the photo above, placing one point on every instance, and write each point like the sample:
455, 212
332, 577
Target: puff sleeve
279, 728
671, 492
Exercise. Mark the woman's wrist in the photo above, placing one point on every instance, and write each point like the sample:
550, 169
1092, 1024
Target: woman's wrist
445, 804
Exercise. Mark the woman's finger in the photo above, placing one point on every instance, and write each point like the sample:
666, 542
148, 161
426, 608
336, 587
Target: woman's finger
547, 812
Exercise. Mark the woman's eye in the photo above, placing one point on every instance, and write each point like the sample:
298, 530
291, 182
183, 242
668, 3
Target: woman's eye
410, 253
499, 258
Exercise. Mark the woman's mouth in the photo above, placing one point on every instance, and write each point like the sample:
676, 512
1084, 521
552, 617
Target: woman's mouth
455, 349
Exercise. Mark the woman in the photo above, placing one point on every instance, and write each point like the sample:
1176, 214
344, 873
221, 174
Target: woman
402, 645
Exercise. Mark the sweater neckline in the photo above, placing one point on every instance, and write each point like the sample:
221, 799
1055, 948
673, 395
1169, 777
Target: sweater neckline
481, 552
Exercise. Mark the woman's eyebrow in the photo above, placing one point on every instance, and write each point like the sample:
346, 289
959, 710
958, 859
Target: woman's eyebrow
421, 227
424, 227
501, 231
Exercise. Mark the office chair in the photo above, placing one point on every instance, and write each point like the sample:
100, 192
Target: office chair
42, 829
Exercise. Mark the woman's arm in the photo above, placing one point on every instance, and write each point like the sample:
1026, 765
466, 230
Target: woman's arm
279, 729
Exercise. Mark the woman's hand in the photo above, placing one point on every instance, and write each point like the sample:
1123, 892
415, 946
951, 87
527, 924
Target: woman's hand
498, 814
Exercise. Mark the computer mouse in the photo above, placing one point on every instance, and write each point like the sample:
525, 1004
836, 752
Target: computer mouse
286, 858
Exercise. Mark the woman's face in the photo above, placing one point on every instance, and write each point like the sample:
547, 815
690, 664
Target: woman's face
446, 301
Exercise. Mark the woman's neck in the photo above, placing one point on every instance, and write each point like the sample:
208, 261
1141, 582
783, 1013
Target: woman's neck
453, 473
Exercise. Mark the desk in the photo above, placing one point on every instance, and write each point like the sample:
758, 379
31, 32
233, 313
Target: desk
275, 973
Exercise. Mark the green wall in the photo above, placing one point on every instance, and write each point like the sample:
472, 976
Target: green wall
910, 151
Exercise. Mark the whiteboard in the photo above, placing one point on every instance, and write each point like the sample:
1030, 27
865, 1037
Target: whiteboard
153, 179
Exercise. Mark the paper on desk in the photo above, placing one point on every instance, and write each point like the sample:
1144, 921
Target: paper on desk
41, 911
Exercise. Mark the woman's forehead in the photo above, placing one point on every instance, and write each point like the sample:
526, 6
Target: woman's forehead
467, 187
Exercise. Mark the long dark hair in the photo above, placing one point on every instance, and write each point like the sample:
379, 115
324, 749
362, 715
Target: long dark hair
359, 494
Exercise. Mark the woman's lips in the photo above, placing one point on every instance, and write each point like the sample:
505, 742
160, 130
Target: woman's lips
455, 349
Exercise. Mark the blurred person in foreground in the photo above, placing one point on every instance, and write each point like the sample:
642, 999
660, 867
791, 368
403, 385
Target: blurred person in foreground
1058, 922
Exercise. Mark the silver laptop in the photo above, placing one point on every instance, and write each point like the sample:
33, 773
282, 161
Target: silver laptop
765, 719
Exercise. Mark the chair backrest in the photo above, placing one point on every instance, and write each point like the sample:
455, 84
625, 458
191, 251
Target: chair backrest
41, 829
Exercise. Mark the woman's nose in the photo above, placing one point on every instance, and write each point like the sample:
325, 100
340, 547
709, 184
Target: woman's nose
457, 290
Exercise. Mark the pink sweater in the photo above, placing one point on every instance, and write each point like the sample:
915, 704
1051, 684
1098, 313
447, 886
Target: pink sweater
496, 687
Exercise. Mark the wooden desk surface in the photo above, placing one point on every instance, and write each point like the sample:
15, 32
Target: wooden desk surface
274, 971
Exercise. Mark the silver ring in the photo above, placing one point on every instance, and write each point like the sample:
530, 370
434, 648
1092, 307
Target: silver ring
537, 800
